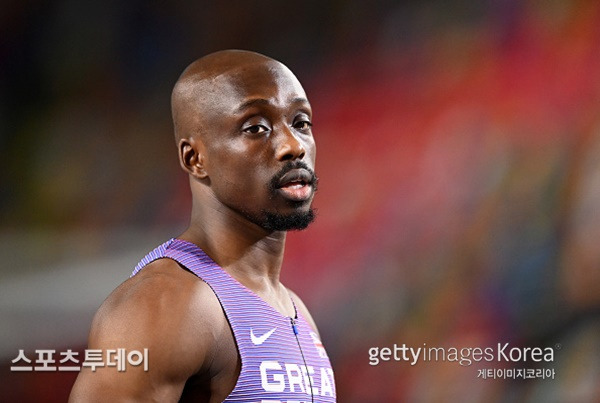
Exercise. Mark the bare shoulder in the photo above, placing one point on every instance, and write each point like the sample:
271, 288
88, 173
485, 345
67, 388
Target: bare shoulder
166, 310
301, 306
161, 300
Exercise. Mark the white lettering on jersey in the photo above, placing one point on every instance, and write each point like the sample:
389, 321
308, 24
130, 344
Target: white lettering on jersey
326, 382
307, 372
278, 383
295, 377
315, 389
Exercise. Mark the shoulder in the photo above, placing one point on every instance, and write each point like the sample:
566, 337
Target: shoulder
166, 310
301, 306
164, 306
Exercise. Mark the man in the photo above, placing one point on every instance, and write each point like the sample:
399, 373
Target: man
243, 128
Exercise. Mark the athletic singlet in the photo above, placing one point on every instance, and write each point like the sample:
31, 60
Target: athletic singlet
283, 360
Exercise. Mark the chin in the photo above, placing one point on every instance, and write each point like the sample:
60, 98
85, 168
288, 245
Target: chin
297, 220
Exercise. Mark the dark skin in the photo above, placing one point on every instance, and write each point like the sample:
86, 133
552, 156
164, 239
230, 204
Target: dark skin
239, 118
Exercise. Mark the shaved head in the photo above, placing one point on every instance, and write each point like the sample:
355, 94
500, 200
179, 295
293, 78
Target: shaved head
196, 92
243, 127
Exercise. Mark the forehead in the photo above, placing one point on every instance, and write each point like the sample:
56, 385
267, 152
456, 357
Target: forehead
270, 81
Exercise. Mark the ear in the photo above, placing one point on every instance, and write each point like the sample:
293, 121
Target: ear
191, 157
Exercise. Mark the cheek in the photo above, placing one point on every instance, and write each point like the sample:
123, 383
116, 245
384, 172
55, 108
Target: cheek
237, 174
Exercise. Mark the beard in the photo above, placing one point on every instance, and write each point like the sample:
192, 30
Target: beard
297, 220
294, 221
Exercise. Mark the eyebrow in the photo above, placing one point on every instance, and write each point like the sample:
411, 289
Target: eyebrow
263, 101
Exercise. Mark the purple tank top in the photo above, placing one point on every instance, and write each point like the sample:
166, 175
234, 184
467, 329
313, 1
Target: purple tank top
283, 359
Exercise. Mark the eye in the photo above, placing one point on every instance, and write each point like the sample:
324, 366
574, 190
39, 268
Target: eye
256, 129
303, 125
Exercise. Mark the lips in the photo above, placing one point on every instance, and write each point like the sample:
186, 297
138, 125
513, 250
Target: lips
299, 175
297, 184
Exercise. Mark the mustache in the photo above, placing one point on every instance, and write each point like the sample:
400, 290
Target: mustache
314, 180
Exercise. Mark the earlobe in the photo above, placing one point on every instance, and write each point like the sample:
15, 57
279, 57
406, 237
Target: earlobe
191, 158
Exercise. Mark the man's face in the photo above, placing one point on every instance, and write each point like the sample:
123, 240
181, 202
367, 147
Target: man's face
260, 152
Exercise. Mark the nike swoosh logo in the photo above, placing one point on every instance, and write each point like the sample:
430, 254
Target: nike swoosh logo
258, 340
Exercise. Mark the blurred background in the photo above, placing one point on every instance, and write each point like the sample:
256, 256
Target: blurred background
459, 158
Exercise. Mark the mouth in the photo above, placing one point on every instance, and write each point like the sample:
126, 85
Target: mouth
297, 185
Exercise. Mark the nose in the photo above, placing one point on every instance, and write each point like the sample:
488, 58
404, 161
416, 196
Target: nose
289, 147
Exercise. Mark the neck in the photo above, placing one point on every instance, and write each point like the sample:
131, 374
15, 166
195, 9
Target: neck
248, 252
